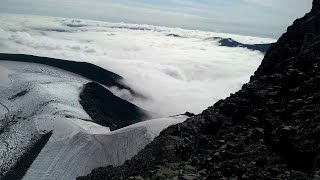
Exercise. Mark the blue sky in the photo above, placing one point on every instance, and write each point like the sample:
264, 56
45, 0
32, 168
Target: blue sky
267, 18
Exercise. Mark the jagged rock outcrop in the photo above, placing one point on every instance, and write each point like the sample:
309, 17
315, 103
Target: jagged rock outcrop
269, 129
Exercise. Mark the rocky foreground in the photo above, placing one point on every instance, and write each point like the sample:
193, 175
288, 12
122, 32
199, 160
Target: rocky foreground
270, 129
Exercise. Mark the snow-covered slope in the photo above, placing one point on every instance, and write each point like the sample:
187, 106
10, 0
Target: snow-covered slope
36, 99
28, 92
4, 76
90, 146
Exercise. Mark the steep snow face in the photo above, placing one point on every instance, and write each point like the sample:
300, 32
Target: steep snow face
40, 99
91, 146
35, 91
177, 70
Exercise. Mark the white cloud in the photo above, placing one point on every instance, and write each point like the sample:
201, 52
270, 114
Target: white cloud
175, 74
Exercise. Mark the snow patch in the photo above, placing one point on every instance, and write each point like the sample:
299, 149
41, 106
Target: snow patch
4, 76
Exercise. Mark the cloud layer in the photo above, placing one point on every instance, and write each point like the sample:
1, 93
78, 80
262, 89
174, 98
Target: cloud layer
176, 73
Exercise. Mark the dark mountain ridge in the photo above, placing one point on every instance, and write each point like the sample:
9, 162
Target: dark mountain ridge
229, 42
87, 70
108, 110
269, 129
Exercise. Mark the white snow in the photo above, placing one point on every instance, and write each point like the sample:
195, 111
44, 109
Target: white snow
44, 97
4, 76
155, 126
76, 151
77, 146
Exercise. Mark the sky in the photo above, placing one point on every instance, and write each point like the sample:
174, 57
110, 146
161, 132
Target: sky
264, 18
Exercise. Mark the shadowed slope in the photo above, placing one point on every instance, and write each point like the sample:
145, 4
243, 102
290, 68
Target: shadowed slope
109, 110
22, 165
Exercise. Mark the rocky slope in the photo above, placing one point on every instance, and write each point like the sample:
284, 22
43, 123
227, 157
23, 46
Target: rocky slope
269, 129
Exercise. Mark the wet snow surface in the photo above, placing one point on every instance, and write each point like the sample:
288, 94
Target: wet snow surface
36, 99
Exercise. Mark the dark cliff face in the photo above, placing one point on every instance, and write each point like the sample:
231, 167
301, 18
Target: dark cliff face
269, 129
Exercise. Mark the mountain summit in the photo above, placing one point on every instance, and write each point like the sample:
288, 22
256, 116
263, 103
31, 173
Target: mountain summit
269, 129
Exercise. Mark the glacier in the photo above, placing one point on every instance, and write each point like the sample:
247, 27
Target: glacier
36, 99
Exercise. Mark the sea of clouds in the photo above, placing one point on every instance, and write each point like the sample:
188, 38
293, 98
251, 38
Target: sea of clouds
185, 71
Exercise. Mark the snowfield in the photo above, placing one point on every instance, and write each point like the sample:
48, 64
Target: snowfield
4, 76
42, 98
